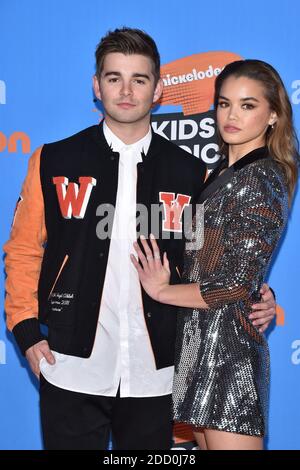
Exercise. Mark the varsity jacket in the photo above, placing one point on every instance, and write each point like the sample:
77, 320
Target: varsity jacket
57, 255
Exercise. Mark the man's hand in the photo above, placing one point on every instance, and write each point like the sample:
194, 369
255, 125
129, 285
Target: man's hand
264, 312
35, 353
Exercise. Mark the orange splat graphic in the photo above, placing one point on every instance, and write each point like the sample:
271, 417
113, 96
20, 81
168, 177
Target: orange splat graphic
189, 81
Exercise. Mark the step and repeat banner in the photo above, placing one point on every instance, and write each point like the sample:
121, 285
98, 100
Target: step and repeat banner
46, 65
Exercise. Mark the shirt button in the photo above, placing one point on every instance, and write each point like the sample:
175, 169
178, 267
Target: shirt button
112, 157
149, 314
101, 254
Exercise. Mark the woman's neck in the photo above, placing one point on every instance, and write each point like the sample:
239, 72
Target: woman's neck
236, 152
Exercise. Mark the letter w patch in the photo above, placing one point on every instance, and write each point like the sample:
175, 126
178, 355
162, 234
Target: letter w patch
173, 210
73, 200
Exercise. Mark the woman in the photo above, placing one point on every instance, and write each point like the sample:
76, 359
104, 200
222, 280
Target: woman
221, 380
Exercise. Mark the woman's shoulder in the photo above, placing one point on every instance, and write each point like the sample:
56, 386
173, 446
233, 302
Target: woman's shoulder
264, 170
264, 177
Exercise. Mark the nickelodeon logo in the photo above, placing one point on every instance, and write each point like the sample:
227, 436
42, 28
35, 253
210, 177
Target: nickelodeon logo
11, 142
189, 81
2, 92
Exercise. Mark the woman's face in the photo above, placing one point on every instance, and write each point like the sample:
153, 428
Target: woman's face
243, 113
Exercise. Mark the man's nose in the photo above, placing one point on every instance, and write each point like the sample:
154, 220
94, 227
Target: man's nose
126, 89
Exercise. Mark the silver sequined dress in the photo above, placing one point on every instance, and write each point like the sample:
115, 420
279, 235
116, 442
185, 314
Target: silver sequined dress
222, 361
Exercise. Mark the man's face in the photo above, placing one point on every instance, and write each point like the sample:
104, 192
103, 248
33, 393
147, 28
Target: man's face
127, 87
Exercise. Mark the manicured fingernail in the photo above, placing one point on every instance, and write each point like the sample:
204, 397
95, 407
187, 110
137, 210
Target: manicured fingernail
152, 236
143, 237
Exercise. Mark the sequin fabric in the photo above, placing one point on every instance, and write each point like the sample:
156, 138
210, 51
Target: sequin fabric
222, 361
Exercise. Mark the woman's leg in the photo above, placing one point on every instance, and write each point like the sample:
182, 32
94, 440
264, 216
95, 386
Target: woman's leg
200, 438
220, 440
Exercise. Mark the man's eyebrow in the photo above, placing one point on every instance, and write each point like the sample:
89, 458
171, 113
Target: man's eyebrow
112, 73
142, 75
135, 75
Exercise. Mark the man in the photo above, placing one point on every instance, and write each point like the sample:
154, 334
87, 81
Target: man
107, 362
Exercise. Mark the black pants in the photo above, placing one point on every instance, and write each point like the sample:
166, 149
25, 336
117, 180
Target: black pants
73, 420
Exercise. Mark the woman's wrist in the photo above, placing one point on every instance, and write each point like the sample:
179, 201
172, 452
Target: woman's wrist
164, 294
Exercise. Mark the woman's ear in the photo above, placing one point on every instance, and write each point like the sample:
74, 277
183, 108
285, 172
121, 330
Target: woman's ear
273, 118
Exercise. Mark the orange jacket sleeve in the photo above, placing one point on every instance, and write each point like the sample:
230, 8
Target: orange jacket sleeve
24, 250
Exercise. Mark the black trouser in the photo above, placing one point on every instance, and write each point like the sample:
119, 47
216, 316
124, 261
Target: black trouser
72, 420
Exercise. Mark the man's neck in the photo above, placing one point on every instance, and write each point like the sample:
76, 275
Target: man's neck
129, 133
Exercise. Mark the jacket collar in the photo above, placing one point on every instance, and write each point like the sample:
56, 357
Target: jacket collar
217, 180
154, 148
99, 138
138, 147
251, 157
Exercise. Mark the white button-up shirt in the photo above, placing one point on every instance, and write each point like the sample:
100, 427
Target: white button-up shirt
122, 354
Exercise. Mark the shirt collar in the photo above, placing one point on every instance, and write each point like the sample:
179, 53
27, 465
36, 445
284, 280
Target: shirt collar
117, 145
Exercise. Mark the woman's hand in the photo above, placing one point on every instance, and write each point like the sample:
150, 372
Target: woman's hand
154, 275
155, 278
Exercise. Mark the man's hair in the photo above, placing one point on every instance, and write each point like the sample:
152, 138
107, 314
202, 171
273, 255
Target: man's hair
128, 41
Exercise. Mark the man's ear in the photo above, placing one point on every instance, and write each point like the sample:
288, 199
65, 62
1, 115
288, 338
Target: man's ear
96, 87
158, 90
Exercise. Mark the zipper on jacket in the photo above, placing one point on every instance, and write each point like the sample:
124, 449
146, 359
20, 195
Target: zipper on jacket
59, 273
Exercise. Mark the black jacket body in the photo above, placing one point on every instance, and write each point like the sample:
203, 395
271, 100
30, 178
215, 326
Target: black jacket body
69, 298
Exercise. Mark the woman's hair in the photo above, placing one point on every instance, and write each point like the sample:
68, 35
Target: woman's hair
281, 138
128, 41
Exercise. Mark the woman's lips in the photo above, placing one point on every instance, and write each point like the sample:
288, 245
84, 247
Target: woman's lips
231, 129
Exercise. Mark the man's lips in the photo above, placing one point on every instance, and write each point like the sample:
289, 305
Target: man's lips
126, 105
231, 129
